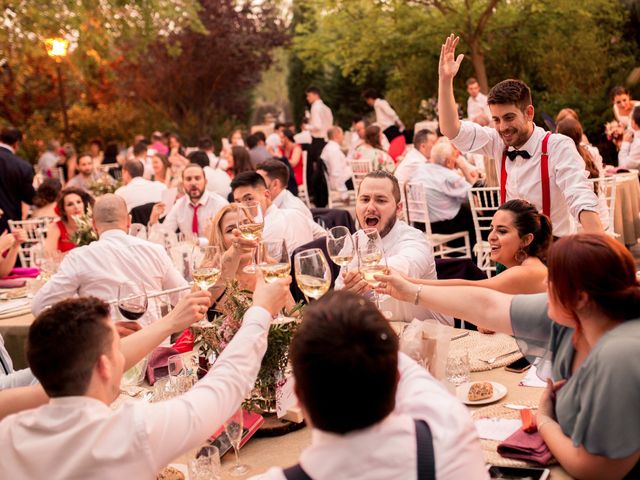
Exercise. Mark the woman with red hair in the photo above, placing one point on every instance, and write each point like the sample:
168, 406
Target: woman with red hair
588, 325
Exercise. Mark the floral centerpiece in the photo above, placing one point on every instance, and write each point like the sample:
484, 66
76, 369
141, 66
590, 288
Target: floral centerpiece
429, 108
210, 341
85, 234
103, 184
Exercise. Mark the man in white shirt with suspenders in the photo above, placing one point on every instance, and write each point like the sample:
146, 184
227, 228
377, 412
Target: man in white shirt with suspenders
543, 168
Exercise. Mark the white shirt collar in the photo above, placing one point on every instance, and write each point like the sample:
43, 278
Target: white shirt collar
113, 233
201, 201
8, 147
78, 401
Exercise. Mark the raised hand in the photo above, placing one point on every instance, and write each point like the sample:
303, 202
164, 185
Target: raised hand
396, 286
449, 64
271, 296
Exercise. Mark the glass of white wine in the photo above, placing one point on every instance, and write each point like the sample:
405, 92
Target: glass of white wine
274, 263
233, 427
205, 264
312, 273
372, 259
340, 246
251, 225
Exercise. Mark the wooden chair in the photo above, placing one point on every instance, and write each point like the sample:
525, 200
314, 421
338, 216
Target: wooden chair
606, 191
35, 231
484, 201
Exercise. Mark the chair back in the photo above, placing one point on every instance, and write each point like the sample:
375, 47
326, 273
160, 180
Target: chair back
606, 190
484, 202
35, 231
141, 213
360, 169
320, 243
416, 205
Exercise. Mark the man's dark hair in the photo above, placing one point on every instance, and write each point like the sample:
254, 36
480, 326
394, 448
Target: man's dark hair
195, 165
278, 126
134, 168
276, 170
205, 143
252, 141
421, 137
289, 134
10, 136
345, 362
65, 342
199, 157
260, 136
371, 93
635, 115
248, 179
514, 92
47, 192
471, 81
313, 89
395, 186
140, 148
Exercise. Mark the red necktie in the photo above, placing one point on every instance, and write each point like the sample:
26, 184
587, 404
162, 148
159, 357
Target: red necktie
194, 222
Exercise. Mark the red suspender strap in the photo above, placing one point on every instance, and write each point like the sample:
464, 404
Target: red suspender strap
503, 178
544, 176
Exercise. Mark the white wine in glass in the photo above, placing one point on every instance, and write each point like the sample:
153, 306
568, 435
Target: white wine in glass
250, 225
233, 427
274, 262
206, 266
340, 246
370, 271
312, 273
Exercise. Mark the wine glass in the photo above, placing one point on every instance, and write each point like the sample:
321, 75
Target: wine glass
206, 266
372, 259
233, 427
132, 301
274, 262
251, 225
340, 246
183, 371
312, 273
205, 464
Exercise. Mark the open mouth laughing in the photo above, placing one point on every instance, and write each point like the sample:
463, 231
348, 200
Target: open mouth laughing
371, 221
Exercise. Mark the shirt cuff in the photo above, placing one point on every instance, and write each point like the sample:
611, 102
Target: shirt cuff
258, 316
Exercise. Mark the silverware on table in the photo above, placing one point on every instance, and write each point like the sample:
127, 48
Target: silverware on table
460, 335
492, 360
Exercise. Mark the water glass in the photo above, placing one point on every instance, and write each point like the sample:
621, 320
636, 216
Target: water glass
205, 464
458, 370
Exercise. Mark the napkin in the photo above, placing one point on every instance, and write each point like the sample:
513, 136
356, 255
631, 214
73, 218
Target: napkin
23, 272
529, 447
12, 282
158, 365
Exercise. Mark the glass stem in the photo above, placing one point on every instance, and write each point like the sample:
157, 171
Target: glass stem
235, 450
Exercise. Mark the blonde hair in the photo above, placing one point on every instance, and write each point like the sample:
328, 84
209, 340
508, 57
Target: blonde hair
216, 235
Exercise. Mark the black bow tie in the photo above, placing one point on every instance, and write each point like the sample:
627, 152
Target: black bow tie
515, 153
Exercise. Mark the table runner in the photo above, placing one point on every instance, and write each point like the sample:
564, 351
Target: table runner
483, 346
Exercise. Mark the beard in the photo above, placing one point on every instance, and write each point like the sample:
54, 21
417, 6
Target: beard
195, 193
384, 231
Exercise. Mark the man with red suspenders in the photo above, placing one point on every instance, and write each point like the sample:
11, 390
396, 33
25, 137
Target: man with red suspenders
543, 168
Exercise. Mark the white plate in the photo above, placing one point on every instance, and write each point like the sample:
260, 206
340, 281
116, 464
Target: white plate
499, 391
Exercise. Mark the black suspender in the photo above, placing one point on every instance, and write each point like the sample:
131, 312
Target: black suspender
426, 459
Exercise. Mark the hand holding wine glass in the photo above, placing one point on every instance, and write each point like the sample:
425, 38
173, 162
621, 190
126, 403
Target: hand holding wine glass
205, 266
132, 300
250, 225
312, 273
233, 427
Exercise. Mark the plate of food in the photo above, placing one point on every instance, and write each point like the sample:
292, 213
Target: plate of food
175, 471
480, 393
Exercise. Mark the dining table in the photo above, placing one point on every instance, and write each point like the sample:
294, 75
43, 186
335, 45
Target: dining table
627, 209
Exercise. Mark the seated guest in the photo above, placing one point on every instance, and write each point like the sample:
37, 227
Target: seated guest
419, 155
10, 378
358, 127
217, 180
137, 190
161, 169
9, 248
205, 144
192, 212
72, 202
373, 150
338, 168
406, 248
86, 174
368, 430
99, 268
520, 238
629, 155
48, 161
446, 192
293, 152
279, 224
84, 438
276, 176
303, 137
44, 201
241, 161
257, 150
588, 324
141, 153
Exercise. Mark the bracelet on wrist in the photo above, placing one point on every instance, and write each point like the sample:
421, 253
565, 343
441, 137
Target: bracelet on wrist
417, 299
544, 422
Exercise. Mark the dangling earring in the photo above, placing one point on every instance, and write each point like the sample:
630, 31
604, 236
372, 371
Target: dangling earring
520, 256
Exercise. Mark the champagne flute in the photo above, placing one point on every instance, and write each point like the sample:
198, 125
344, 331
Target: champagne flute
132, 301
205, 265
251, 225
233, 427
274, 263
312, 273
340, 246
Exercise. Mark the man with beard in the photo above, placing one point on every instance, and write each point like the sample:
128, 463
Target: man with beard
193, 212
534, 165
406, 249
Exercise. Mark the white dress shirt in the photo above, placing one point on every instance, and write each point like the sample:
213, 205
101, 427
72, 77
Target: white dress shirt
292, 226
287, 200
570, 191
218, 181
10, 378
385, 115
629, 155
303, 137
321, 119
445, 190
478, 106
99, 268
407, 168
407, 250
140, 191
337, 166
181, 214
80, 437
388, 450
